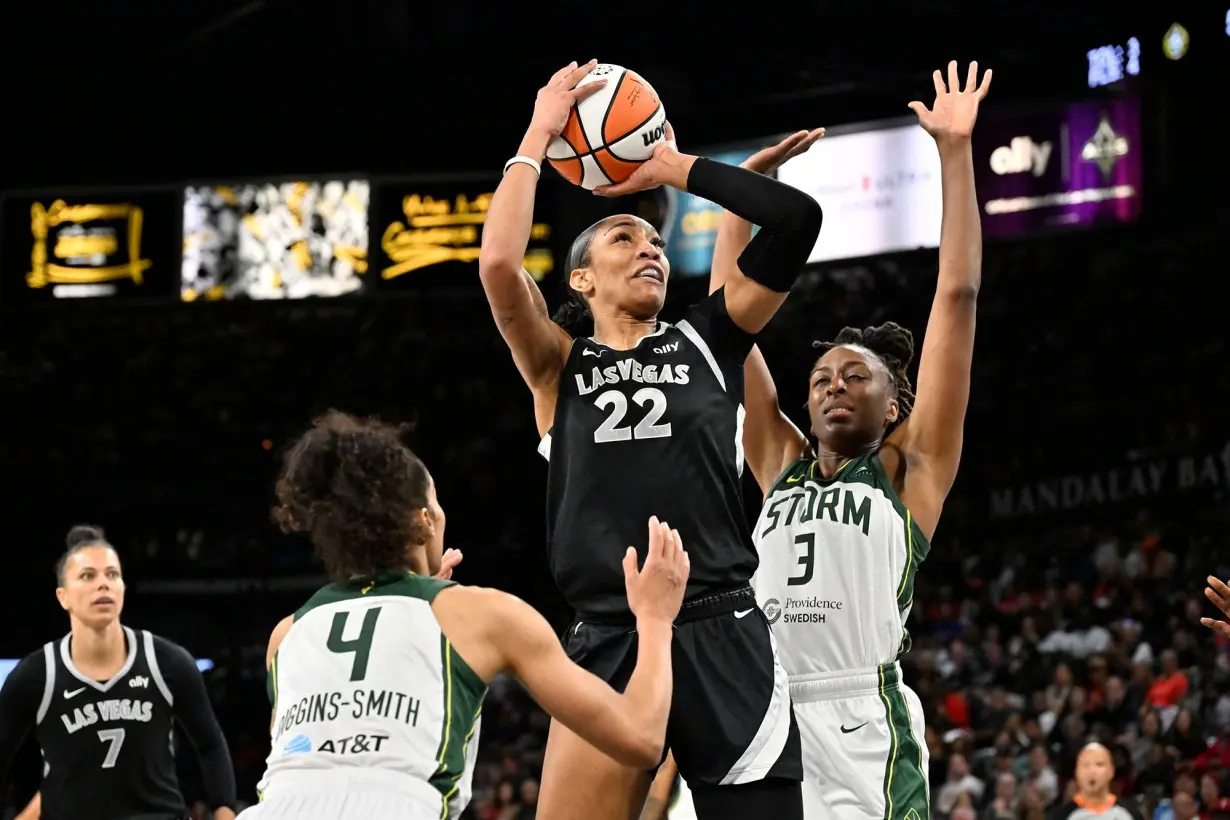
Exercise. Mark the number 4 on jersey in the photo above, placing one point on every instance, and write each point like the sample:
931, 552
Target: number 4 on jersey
360, 646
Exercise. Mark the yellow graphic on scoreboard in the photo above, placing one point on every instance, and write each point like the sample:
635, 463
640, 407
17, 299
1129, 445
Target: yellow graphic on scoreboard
436, 230
86, 246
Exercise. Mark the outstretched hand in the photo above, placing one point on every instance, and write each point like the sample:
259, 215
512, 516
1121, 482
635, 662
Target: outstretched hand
955, 110
656, 591
768, 160
450, 559
556, 98
1219, 594
652, 173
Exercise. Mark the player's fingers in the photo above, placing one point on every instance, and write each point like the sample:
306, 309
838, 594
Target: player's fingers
630, 572
1218, 601
558, 77
986, 84
1219, 586
919, 109
655, 538
938, 79
577, 74
971, 78
815, 136
665, 544
614, 190
954, 82
587, 90
1220, 627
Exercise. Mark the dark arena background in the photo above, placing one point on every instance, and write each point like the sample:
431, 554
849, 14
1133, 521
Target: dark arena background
166, 329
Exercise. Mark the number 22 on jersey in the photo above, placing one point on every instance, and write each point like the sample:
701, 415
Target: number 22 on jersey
650, 399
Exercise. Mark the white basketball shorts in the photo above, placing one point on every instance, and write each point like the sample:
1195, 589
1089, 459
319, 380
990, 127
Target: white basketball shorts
864, 754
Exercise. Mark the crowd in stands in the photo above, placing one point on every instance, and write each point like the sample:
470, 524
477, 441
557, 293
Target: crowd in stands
1035, 628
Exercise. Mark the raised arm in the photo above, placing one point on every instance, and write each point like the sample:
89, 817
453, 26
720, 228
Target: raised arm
195, 714
789, 223
539, 346
770, 439
931, 438
494, 631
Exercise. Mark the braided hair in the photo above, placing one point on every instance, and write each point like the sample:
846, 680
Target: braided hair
573, 314
893, 345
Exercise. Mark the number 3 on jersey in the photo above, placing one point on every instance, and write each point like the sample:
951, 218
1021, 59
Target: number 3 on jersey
647, 427
360, 646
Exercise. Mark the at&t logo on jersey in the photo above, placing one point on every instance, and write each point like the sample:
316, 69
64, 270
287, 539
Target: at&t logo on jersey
108, 711
297, 745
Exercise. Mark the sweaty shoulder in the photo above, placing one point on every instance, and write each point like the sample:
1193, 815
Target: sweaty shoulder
709, 320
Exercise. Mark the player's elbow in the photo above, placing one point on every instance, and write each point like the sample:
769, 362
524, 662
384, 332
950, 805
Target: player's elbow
801, 215
964, 293
495, 267
809, 216
645, 751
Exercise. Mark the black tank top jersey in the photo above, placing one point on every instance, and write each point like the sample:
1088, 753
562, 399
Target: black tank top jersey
107, 745
656, 430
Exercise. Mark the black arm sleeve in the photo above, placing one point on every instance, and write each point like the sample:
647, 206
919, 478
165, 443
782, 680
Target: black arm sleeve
20, 698
789, 219
196, 715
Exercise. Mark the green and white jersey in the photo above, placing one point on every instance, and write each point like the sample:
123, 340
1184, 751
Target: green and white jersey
366, 679
837, 563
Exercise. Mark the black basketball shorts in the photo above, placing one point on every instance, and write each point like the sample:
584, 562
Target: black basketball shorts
731, 719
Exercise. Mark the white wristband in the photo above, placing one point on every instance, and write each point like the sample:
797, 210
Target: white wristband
528, 161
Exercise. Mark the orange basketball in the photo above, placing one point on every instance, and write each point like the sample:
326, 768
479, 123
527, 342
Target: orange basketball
609, 134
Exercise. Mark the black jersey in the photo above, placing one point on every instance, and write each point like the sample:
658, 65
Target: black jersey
655, 430
107, 745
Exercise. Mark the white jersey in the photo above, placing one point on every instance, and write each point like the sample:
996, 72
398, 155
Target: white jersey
681, 806
365, 680
837, 563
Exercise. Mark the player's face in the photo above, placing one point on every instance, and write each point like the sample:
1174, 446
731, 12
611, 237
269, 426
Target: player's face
92, 589
850, 401
434, 528
628, 270
1094, 769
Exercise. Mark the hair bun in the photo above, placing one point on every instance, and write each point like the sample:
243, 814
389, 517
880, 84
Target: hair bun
83, 534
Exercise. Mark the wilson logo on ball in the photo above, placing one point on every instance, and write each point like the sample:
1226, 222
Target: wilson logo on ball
653, 136
609, 134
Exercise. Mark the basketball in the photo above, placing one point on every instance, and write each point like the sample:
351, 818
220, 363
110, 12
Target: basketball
609, 134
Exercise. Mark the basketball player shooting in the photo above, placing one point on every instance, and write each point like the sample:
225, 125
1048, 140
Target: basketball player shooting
102, 702
842, 533
378, 680
645, 417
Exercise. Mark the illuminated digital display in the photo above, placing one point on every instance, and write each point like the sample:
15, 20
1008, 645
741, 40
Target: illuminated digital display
274, 240
67, 246
1174, 44
1072, 166
1110, 64
432, 233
